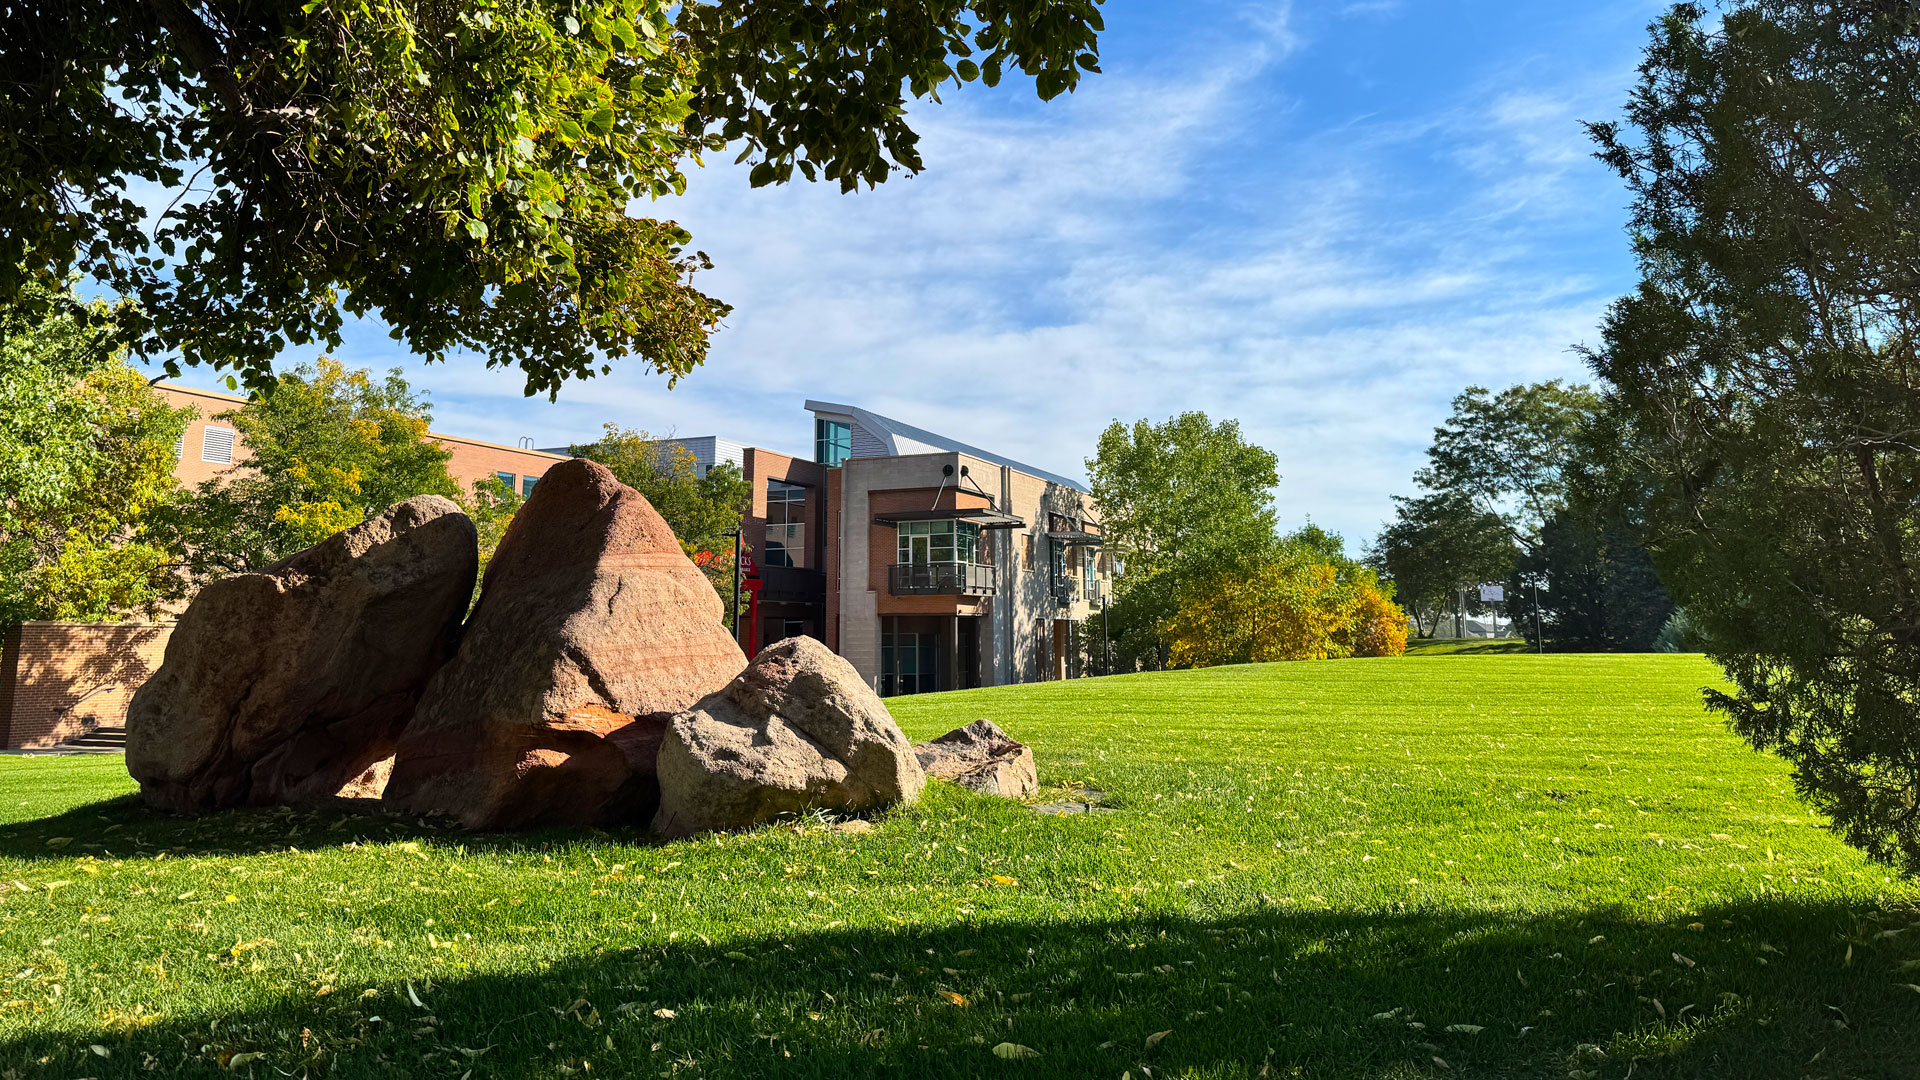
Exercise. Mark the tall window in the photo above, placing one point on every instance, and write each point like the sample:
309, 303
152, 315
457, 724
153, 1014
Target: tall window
526, 485
506, 478
786, 525
832, 441
923, 542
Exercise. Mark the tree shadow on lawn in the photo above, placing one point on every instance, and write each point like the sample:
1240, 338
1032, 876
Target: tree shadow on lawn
125, 826
1766, 989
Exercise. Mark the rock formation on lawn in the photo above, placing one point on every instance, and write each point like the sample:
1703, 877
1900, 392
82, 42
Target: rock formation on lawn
799, 729
285, 685
980, 757
592, 630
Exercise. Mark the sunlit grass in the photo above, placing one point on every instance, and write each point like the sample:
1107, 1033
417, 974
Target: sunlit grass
1430, 866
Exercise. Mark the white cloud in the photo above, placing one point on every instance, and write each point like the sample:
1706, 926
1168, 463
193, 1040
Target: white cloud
1171, 237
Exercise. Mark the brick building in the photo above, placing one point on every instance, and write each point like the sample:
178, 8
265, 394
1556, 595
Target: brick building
928, 563
212, 447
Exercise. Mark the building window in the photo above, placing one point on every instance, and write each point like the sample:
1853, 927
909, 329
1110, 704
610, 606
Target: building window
506, 478
786, 525
924, 542
526, 485
832, 441
909, 663
1026, 554
216, 445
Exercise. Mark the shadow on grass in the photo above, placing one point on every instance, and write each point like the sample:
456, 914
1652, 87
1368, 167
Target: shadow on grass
127, 826
1762, 991
1466, 647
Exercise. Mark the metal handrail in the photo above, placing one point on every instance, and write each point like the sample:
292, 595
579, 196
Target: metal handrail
941, 579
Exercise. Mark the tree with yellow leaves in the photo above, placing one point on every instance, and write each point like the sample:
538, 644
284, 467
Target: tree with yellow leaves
1303, 603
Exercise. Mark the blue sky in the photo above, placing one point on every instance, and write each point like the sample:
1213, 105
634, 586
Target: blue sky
1323, 220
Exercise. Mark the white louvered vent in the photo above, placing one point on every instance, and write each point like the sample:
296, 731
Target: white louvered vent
216, 446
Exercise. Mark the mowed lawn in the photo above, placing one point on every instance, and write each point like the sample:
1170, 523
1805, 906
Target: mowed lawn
1444, 866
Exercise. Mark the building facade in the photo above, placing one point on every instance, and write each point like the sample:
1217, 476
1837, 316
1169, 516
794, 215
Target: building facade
211, 447
927, 563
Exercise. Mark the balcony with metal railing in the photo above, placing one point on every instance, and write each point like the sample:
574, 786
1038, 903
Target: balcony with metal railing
940, 579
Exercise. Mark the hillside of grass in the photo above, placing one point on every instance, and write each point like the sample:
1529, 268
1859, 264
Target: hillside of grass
1451, 866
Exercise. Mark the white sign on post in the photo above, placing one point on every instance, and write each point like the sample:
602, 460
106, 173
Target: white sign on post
1492, 594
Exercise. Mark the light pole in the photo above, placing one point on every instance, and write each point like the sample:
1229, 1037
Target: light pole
736, 585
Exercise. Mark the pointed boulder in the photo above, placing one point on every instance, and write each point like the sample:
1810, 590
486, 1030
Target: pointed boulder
592, 630
283, 686
798, 730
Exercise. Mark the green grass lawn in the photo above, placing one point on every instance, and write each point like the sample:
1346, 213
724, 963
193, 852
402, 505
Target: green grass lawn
1450, 866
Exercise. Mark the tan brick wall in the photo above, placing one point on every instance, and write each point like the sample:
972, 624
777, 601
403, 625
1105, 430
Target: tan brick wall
472, 459
475, 460
59, 681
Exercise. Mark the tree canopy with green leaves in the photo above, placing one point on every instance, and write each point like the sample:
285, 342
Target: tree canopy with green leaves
327, 448
86, 466
1766, 369
1507, 451
1438, 546
1181, 502
463, 172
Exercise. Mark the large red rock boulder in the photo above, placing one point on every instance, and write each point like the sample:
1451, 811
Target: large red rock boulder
283, 686
798, 730
592, 630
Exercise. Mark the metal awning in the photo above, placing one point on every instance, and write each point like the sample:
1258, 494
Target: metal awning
981, 516
1076, 536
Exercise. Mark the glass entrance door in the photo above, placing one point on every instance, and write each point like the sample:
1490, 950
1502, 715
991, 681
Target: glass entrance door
909, 663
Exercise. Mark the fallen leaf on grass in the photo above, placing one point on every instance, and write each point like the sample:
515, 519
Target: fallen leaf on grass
1153, 1040
414, 997
665, 1014
238, 1061
100, 1050
1684, 960
1465, 1029
952, 998
1002, 879
1014, 1051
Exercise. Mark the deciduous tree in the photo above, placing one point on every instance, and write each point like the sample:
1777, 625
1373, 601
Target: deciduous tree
1507, 451
86, 462
462, 171
326, 448
1180, 502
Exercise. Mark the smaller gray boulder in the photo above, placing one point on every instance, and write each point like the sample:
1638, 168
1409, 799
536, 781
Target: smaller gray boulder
797, 730
980, 757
